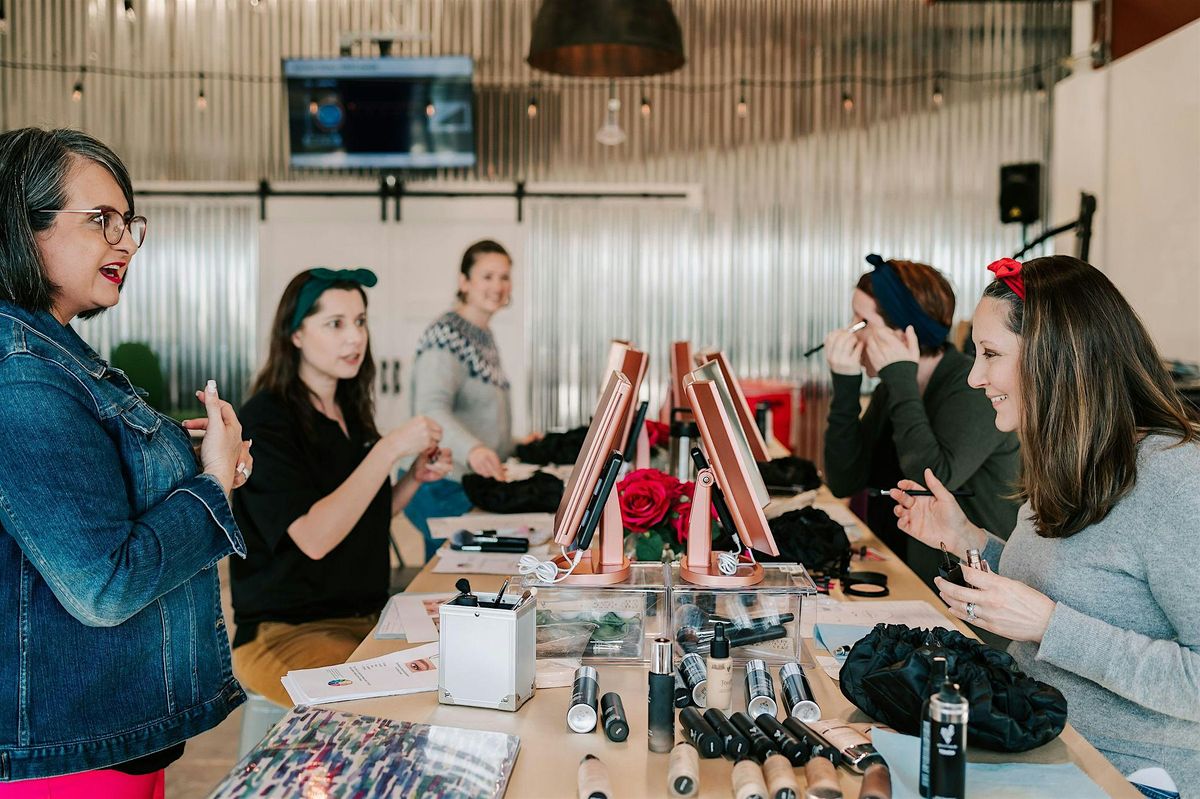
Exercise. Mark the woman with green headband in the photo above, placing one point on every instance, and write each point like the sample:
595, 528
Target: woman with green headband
317, 510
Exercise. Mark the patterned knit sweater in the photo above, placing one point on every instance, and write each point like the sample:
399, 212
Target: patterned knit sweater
459, 383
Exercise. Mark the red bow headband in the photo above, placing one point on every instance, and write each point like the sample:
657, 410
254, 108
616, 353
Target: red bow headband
1009, 271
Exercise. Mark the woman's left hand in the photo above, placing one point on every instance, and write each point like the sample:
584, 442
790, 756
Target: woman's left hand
886, 346
245, 462
1003, 606
432, 465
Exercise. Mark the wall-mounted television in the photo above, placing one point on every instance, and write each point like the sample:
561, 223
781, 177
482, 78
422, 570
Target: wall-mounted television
380, 113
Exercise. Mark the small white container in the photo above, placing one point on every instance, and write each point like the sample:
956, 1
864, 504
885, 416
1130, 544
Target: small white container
487, 656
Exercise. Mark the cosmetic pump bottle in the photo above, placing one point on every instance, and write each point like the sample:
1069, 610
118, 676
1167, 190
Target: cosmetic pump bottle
661, 710
720, 672
937, 676
946, 728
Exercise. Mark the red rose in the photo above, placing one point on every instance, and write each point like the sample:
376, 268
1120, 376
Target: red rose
646, 496
658, 433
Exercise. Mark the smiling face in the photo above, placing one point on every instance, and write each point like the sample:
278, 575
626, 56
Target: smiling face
489, 286
332, 340
78, 260
997, 362
865, 309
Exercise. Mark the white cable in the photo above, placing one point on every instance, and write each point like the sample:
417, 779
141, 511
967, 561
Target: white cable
547, 571
727, 562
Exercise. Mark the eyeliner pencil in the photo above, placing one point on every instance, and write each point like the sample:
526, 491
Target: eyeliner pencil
886, 492
854, 328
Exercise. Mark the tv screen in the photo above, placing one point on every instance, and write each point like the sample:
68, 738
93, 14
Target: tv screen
380, 113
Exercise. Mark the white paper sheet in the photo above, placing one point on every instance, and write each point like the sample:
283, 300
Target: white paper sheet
412, 617
412, 671
538, 527
506, 563
913, 612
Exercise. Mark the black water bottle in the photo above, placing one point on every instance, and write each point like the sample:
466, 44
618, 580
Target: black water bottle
937, 676
947, 729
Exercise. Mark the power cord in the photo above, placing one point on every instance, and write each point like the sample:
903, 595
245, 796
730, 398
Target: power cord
547, 571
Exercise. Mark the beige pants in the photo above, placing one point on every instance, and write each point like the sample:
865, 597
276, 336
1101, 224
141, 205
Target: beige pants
279, 648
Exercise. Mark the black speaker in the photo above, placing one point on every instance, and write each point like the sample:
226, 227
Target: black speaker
1021, 193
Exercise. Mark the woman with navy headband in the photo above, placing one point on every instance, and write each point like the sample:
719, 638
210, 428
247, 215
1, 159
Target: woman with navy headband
922, 415
317, 511
1096, 585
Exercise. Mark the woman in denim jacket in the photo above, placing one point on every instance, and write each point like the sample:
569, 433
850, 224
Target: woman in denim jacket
112, 643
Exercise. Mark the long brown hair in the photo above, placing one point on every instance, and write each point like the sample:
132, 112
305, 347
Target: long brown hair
1092, 384
280, 375
929, 288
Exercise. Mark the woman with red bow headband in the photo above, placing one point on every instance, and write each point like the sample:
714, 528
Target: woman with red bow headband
1095, 586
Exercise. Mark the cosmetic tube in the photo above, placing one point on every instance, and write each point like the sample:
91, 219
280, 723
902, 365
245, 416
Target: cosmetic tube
695, 677
683, 695
616, 726
821, 776
947, 752
785, 743
720, 672
683, 774
781, 779
748, 782
855, 748
734, 744
876, 782
816, 743
593, 779
761, 747
660, 715
760, 689
797, 694
581, 716
698, 731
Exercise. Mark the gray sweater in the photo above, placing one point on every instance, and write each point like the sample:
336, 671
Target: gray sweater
1123, 643
459, 383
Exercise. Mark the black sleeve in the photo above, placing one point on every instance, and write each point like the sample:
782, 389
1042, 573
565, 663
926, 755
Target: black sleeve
848, 438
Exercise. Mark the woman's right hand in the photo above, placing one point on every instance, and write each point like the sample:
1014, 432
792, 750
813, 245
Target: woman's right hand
222, 445
843, 352
486, 463
418, 434
936, 520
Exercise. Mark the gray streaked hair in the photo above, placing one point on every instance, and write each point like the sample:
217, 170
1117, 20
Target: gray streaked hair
34, 166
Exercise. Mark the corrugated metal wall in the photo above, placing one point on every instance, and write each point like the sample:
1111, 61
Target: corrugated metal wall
795, 192
792, 59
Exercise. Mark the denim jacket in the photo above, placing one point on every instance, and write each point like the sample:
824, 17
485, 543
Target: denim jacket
112, 640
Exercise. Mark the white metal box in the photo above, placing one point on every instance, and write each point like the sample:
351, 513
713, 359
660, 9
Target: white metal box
487, 654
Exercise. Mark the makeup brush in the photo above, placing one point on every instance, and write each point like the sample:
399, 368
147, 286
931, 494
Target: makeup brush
854, 328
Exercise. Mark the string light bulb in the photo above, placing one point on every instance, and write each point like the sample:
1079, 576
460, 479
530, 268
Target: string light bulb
1040, 90
531, 110
77, 89
3, 18
938, 98
201, 100
610, 133
645, 107
130, 14
742, 108
847, 102
430, 109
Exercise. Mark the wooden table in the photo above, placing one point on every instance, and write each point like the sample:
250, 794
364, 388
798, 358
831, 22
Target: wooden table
550, 753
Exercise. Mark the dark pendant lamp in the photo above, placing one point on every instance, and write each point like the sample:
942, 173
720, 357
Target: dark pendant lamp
606, 38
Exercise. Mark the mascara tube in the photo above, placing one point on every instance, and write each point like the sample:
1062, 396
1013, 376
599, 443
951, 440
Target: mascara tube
660, 715
616, 726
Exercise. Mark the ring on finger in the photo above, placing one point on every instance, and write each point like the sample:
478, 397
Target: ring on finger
243, 470
971, 614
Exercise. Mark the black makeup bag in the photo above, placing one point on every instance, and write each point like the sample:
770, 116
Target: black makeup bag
809, 536
553, 448
790, 471
539, 494
888, 673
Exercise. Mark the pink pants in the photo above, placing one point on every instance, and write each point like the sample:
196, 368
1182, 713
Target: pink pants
105, 784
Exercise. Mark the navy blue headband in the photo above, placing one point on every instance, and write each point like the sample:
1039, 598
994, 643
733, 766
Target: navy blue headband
321, 280
901, 307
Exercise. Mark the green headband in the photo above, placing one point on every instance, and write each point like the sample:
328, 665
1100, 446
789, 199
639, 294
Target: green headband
320, 280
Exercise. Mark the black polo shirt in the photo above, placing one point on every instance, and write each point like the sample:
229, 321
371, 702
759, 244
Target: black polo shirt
292, 471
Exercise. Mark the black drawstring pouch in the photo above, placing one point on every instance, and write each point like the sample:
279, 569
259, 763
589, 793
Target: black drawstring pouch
556, 448
539, 494
790, 472
887, 675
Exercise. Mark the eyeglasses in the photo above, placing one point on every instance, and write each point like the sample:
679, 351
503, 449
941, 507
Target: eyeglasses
114, 223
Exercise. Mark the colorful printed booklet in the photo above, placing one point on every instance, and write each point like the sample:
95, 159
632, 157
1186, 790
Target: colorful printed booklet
318, 752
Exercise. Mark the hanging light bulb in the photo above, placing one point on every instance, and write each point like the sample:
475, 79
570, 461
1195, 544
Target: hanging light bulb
430, 109
313, 107
1040, 91
610, 133
742, 108
201, 100
938, 98
77, 89
3, 18
130, 14
645, 107
847, 102
531, 110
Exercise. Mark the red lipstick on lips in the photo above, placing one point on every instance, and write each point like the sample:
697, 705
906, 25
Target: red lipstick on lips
112, 272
